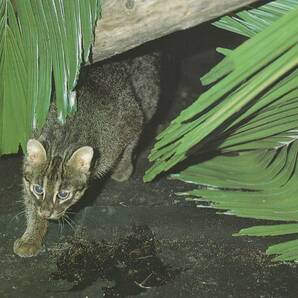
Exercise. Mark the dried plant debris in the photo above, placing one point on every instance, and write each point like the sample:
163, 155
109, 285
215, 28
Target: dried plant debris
131, 263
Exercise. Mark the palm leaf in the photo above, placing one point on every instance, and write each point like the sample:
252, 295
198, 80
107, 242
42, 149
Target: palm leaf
260, 62
259, 180
250, 117
40, 40
250, 22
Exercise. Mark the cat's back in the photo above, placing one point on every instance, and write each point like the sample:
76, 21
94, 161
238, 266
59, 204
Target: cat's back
113, 98
120, 93
106, 99
122, 82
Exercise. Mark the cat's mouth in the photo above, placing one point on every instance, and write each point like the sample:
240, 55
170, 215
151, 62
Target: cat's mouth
57, 216
50, 215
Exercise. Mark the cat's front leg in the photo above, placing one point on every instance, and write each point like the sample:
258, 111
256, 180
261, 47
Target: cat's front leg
30, 243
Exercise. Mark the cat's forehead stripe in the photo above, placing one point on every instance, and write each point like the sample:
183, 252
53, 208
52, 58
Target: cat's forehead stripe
54, 169
56, 189
52, 178
45, 182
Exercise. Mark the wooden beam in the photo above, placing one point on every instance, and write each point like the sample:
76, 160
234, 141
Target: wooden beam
126, 24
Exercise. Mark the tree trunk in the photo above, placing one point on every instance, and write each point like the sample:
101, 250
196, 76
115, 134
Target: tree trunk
126, 24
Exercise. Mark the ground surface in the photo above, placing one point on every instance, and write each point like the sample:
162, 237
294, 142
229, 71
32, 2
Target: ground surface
196, 242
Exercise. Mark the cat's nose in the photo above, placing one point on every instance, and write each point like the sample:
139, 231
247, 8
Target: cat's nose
45, 214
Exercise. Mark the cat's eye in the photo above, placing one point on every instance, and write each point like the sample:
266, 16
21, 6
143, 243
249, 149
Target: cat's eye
63, 194
38, 189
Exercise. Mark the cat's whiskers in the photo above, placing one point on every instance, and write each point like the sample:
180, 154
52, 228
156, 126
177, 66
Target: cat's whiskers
69, 221
20, 202
61, 225
18, 214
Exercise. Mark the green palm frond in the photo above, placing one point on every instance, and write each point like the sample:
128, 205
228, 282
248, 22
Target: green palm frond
40, 40
246, 73
250, 22
250, 117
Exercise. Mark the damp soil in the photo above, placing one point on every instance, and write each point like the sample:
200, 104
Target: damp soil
130, 262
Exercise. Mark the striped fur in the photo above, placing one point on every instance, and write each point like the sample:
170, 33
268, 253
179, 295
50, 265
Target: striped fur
114, 102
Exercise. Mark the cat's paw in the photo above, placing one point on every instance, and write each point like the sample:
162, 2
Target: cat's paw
122, 175
25, 248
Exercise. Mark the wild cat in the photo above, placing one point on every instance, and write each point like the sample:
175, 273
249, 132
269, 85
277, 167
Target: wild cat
114, 103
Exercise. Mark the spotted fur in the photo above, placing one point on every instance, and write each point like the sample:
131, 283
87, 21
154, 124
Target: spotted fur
114, 102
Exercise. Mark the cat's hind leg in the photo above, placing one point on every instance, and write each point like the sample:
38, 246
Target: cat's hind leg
145, 78
124, 169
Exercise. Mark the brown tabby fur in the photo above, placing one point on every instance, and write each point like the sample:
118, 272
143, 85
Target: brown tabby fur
113, 105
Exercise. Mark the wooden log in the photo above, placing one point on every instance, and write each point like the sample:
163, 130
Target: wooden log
126, 24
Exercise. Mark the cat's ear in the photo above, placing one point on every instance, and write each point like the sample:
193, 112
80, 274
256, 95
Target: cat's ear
36, 154
81, 159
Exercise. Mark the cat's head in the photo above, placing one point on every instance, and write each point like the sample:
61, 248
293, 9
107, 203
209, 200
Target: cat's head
55, 183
